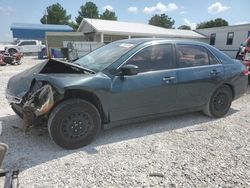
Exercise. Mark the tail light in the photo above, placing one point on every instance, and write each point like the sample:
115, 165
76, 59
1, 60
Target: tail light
245, 72
247, 63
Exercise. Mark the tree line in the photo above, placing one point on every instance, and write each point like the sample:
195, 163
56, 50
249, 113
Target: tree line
56, 14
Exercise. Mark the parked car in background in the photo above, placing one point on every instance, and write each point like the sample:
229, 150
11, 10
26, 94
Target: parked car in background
246, 54
6, 58
25, 46
123, 81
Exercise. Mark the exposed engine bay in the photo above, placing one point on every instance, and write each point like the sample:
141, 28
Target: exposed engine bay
38, 103
36, 95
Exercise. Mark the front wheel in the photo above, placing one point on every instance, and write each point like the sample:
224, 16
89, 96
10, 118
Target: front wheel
220, 102
12, 51
74, 123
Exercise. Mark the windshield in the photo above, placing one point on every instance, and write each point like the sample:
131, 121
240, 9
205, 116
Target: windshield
102, 57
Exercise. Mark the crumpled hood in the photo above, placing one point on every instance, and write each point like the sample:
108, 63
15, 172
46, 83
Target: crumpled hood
20, 83
50, 70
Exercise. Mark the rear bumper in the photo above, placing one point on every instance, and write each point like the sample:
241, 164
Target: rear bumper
247, 63
240, 86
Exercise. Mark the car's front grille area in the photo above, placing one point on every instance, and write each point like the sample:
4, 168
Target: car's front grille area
13, 99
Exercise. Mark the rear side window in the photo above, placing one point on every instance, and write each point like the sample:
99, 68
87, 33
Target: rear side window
192, 55
220, 55
152, 58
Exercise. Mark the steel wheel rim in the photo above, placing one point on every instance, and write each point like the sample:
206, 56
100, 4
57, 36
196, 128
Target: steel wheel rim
75, 125
220, 102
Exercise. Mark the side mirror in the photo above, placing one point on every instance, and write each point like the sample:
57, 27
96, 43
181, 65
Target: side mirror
129, 70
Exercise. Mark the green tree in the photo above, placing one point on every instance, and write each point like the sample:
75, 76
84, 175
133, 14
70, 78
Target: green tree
218, 22
185, 27
73, 25
162, 21
108, 15
56, 14
89, 10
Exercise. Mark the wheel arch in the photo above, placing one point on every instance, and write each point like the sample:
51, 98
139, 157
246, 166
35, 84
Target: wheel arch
90, 97
12, 48
231, 87
206, 109
224, 84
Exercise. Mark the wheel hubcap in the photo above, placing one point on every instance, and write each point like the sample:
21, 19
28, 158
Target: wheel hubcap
220, 102
76, 125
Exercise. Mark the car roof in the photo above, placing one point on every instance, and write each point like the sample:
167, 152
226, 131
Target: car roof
160, 40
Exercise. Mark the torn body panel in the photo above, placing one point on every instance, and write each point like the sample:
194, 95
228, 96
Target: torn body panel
22, 82
38, 104
33, 93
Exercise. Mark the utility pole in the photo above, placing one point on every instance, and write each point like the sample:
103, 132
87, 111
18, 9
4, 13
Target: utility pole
46, 16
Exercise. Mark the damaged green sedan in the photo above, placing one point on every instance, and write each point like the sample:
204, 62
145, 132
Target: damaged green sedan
125, 81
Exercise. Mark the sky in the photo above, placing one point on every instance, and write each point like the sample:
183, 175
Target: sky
184, 12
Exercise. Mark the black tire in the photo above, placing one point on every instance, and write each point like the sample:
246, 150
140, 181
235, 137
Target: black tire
44, 52
220, 102
17, 110
12, 51
74, 123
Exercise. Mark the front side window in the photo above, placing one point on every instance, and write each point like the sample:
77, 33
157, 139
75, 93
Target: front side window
230, 38
192, 55
153, 58
212, 39
32, 42
24, 43
248, 34
103, 57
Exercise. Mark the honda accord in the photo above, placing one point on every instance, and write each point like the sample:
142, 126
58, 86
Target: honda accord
123, 81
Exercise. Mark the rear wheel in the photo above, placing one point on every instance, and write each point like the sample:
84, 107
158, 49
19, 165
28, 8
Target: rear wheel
220, 102
74, 123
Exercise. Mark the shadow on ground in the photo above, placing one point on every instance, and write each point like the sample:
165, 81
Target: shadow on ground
36, 147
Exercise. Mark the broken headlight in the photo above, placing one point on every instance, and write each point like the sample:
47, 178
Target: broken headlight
39, 103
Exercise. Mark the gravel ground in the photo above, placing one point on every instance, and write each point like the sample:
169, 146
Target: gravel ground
189, 150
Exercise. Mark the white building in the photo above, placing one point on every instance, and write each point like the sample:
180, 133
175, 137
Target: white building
107, 31
227, 39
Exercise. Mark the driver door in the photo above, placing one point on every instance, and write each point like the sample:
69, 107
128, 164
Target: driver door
151, 91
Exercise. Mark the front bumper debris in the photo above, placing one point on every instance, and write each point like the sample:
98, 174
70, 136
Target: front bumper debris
38, 104
12, 99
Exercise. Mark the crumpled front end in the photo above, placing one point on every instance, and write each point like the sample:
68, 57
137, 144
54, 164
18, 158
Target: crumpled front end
34, 92
38, 104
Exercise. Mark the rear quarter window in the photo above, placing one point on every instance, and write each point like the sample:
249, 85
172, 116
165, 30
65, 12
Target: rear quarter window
220, 55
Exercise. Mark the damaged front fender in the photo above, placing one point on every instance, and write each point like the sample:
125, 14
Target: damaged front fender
38, 104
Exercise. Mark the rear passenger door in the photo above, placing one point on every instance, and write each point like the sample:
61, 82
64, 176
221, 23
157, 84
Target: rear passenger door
198, 73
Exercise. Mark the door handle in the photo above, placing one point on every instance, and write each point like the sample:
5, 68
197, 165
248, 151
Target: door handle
215, 71
168, 78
